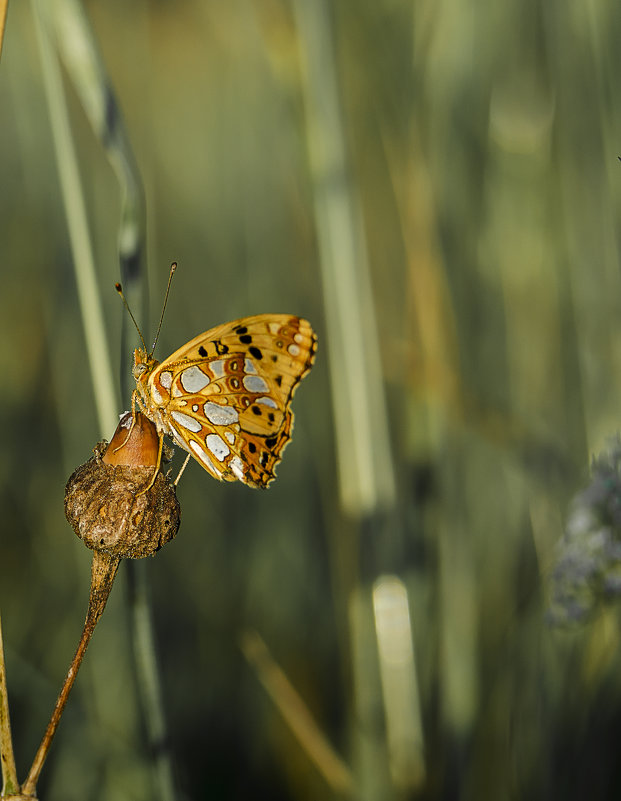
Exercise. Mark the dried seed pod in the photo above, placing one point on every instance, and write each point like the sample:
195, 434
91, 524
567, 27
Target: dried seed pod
106, 500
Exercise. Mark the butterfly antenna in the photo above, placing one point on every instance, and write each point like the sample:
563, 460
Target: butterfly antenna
119, 289
173, 267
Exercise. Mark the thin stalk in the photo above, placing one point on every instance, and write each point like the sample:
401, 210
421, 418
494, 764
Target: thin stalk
78, 49
4, 4
10, 785
103, 571
149, 679
297, 715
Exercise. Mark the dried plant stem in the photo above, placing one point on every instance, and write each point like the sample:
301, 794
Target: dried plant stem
9, 773
103, 572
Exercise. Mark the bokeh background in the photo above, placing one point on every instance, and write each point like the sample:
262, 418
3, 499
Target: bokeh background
436, 187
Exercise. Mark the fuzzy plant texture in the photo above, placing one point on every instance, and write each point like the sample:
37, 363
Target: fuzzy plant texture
587, 573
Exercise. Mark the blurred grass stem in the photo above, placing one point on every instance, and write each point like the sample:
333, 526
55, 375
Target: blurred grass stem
77, 47
363, 452
103, 571
75, 210
10, 784
398, 673
296, 714
4, 5
149, 680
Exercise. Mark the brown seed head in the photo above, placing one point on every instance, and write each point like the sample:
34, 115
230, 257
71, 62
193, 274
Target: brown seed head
104, 499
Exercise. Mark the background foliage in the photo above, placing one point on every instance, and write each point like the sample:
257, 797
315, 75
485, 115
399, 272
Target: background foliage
481, 145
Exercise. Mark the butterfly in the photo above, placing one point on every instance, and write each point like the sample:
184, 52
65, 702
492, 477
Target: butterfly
225, 396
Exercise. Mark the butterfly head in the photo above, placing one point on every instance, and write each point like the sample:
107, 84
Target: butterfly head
143, 364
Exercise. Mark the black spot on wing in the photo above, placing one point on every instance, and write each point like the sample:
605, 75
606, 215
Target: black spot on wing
254, 351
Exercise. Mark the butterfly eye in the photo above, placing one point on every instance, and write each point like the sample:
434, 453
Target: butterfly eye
138, 370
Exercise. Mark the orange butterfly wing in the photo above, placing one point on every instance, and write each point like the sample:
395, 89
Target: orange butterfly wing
225, 396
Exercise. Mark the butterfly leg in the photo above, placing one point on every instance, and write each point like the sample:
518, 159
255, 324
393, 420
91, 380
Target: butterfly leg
183, 466
157, 467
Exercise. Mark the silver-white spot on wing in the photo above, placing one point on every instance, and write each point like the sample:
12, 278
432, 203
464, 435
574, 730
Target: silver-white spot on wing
249, 366
174, 435
193, 379
237, 466
185, 421
202, 455
294, 350
155, 395
254, 383
217, 446
267, 401
166, 379
220, 415
217, 368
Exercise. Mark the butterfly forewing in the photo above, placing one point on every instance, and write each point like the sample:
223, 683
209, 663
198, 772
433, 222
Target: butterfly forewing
225, 396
